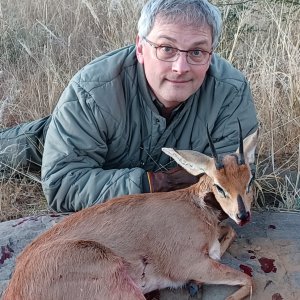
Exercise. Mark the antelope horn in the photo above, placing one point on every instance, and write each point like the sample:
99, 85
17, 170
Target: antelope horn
241, 147
218, 163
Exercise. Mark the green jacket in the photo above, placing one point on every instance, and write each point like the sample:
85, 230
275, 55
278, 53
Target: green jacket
106, 131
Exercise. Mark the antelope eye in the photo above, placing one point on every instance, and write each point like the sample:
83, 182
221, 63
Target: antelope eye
220, 190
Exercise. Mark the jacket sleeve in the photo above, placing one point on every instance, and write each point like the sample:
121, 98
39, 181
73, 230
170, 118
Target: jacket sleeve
238, 104
74, 154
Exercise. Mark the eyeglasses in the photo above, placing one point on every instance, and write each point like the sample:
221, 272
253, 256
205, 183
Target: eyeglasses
171, 54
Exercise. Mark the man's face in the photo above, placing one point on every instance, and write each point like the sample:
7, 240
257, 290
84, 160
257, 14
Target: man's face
174, 82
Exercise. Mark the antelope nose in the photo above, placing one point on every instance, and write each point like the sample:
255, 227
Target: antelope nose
243, 216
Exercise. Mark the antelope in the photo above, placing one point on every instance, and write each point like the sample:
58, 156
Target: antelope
134, 244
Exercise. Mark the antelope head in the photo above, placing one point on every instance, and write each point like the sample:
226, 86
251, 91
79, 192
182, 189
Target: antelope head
230, 175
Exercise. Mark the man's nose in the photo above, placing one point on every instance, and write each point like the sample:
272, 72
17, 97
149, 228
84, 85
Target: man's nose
181, 65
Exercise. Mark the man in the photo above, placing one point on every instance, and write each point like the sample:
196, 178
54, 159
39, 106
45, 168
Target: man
108, 128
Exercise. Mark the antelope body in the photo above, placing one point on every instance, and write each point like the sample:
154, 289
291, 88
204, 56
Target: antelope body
134, 244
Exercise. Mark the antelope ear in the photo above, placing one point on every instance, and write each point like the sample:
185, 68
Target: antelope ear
250, 143
194, 162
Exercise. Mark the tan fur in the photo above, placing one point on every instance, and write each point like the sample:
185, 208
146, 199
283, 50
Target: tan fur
134, 244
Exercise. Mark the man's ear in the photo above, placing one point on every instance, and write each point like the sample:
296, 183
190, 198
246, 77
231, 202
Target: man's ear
139, 49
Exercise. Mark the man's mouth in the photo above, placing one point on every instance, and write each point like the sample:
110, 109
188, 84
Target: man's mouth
179, 81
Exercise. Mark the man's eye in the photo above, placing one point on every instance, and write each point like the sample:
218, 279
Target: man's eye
167, 49
196, 52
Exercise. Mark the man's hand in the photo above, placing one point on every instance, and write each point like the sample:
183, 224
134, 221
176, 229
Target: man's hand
173, 179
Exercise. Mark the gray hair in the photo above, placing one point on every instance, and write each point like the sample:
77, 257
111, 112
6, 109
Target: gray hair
189, 12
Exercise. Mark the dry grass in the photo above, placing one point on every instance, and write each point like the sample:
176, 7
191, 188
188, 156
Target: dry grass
265, 46
43, 43
20, 197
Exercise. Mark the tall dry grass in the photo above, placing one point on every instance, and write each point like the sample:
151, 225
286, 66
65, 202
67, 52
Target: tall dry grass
44, 43
265, 45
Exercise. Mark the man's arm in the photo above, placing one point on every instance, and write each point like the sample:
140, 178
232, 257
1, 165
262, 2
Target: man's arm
225, 131
75, 150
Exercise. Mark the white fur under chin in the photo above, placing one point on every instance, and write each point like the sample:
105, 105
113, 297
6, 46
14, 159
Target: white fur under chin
215, 250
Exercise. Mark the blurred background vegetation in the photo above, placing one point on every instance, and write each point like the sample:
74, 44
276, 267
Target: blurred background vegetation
43, 43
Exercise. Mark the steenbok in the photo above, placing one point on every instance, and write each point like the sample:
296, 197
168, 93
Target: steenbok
131, 245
